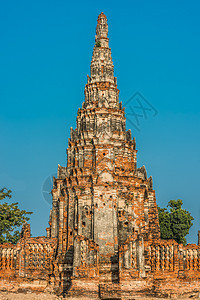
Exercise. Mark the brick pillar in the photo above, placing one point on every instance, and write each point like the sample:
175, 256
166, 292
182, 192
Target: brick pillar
140, 255
61, 221
48, 232
176, 260
181, 258
199, 238
22, 255
26, 231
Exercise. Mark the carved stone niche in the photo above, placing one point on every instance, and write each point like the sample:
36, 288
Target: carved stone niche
62, 172
128, 135
103, 102
141, 173
73, 134
150, 183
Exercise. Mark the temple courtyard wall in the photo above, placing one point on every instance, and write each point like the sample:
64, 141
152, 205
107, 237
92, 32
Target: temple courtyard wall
156, 268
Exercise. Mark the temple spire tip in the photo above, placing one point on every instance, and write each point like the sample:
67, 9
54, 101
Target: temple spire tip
102, 15
102, 26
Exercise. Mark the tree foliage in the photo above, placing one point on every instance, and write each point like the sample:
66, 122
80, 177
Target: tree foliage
11, 218
175, 222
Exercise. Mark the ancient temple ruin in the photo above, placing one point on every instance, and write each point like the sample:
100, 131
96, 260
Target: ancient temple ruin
103, 238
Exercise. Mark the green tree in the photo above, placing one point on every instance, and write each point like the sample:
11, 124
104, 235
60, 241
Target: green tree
175, 222
11, 218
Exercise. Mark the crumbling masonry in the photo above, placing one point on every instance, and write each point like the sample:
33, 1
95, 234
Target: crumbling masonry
104, 236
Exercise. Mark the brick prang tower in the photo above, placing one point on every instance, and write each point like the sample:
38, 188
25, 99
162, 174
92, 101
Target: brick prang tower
104, 237
101, 198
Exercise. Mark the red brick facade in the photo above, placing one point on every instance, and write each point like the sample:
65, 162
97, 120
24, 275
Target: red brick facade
104, 236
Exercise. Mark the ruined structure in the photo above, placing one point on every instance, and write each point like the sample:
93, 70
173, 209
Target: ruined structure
104, 236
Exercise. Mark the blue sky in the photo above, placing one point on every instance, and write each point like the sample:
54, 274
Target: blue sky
45, 53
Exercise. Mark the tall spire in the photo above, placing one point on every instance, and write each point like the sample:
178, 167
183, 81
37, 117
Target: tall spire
102, 116
102, 30
102, 69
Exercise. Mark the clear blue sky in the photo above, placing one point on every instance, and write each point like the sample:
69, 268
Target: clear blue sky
45, 53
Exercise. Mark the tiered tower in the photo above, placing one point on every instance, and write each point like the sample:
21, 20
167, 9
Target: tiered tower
104, 236
101, 197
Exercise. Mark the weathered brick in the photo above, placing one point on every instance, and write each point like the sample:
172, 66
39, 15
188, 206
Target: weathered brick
104, 236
